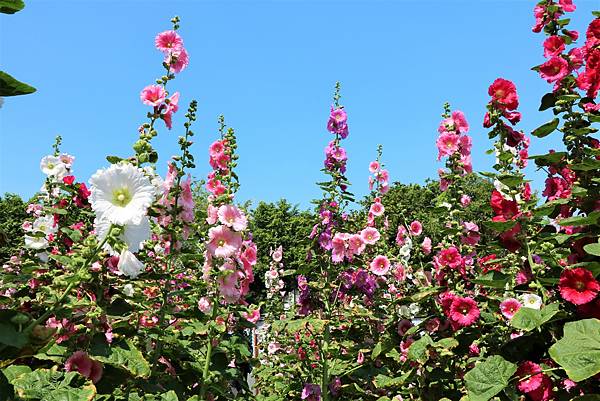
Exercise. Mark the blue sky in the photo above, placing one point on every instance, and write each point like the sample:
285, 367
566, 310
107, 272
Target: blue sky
270, 68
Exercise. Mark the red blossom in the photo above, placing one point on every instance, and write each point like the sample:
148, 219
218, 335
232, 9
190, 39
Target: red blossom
578, 286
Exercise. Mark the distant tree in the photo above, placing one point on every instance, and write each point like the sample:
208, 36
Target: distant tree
12, 215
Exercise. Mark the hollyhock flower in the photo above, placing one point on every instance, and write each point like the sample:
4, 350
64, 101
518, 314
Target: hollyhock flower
35, 242
465, 200
544, 392
370, 235
553, 46
447, 144
337, 123
129, 265
504, 208
513, 116
403, 327
311, 392
172, 108
133, 235
578, 286
532, 301
253, 316
223, 242
80, 362
153, 95
356, 244
464, 311
374, 167
504, 92
277, 254
168, 41
450, 257
380, 265
556, 188
121, 194
530, 376
231, 216
554, 69
215, 187
377, 209
205, 305
509, 307
456, 123
45, 224
426, 246
416, 228
567, 5
593, 34
52, 166
178, 60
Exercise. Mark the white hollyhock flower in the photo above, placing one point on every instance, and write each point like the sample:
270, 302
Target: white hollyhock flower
531, 301
128, 290
45, 224
129, 265
35, 242
121, 194
52, 166
133, 234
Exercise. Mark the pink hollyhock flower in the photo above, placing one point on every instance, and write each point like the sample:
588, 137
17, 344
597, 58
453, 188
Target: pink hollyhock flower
567, 5
464, 311
223, 242
204, 305
447, 144
530, 375
215, 187
178, 60
311, 392
403, 326
450, 257
556, 188
426, 246
153, 95
172, 108
509, 307
277, 254
168, 41
504, 92
216, 148
457, 123
380, 265
473, 350
377, 209
253, 316
554, 69
212, 215
338, 250
544, 392
231, 216
80, 362
370, 235
338, 122
416, 228
465, 200
553, 46
186, 201
356, 244
374, 167
578, 286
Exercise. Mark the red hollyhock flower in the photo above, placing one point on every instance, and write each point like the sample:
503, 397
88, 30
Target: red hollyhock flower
578, 286
504, 92
486, 266
69, 180
503, 208
464, 311
544, 392
508, 238
556, 188
530, 376
553, 46
554, 69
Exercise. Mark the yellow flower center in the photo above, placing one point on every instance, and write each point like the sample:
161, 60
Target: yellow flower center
121, 197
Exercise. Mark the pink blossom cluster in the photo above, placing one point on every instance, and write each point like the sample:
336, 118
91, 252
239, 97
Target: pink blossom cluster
335, 157
537, 385
219, 159
589, 78
453, 143
338, 122
380, 178
171, 44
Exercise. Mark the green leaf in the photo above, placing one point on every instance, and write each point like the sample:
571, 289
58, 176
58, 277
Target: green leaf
592, 249
500, 225
9, 86
492, 279
548, 101
123, 356
11, 337
6, 389
578, 352
113, 159
488, 378
11, 6
545, 129
418, 349
529, 319
591, 218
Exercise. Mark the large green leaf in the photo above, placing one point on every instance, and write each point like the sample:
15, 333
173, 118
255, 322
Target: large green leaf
593, 249
10, 336
545, 129
9, 86
51, 385
488, 378
578, 352
123, 355
11, 6
418, 349
529, 319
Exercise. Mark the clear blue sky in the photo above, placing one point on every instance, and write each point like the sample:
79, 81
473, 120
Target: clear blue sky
269, 67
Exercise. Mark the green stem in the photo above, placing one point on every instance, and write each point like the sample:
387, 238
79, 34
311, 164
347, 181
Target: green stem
209, 350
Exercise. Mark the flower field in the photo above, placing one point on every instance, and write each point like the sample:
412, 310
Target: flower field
130, 286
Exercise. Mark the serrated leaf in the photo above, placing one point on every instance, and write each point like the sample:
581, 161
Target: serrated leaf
488, 378
123, 356
578, 352
529, 319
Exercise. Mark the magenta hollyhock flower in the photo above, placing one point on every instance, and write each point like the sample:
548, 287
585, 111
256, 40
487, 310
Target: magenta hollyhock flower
380, 265
311, 392
178, 60
464, 311
553, 46
370, 235
80, 362
504, 92
338, 122
223, 242
426, 246
509, 307
530, 376
567, 5
544, 392
578, 286
447, 144
168, 41
253, 316
450, 257
153, 95
231, 216
415, 228
556, 188
554, 69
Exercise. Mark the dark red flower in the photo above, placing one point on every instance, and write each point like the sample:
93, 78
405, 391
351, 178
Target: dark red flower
504, 93
578, 286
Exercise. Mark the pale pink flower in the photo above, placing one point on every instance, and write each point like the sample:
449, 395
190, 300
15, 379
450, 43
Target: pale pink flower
377, 209
204, 305
380, 265
374, 166
277, 254
447, 144
223, 242
232, 217
172, 107
356, 244
370, 235
153, 95
178, 60
465, 200
212, 215
253, 316
168, 41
